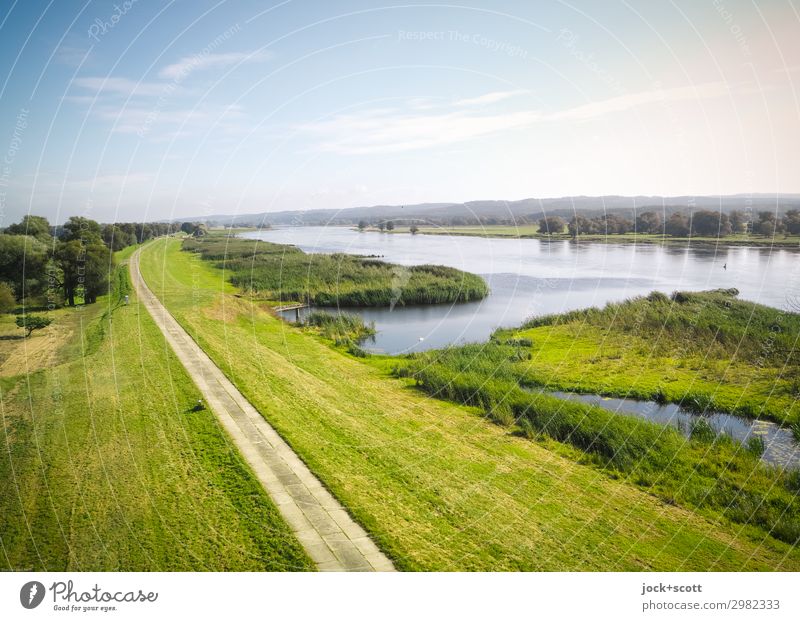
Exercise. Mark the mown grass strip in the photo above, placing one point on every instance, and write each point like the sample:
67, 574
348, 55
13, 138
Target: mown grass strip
107, 466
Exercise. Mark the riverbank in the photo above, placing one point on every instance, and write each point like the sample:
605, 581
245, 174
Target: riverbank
531, 231
706, 351
436, 484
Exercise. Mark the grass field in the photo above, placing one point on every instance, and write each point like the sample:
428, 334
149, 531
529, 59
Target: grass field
709, 350
106, 467
438, 485
284, 273
708, 472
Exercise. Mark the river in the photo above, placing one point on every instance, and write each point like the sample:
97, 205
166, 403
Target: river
531, 277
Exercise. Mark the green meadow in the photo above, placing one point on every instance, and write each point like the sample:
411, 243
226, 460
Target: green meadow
442, 484
108, 467
708, 472
703, 350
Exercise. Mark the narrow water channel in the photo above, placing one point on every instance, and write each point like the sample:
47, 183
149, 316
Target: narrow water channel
781, 447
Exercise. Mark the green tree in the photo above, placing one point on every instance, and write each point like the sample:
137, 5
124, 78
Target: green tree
390, 226
96, 272
551, 225
29, 323
614, 224
579, 225
738, 222
80, 228
648, 222
710, 224
677, 225
767, 225
362, 225
791, 221
117, 239
200, 230
7, 300
187, 227
382, 226
414, 229
85, 269
23, 264
35, 226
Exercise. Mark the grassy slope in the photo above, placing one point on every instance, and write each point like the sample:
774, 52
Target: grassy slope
437, 485
104, 467
711, 349
713, 474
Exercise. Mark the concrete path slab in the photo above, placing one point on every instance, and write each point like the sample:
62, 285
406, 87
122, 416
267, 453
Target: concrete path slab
327, 532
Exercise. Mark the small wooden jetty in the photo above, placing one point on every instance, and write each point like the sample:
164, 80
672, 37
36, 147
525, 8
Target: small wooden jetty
288, 307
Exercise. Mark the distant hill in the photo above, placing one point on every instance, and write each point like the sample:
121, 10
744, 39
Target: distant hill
511, 211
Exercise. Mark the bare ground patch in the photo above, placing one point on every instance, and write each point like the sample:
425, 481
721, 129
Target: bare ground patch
26, 355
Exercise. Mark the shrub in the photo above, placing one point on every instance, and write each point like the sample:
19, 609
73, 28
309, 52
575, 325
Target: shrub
702, 431
658, 297
29, 323
342, 328
756, 445
7, 300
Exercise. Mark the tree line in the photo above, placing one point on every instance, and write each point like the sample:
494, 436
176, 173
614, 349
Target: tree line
702, 223
50, 266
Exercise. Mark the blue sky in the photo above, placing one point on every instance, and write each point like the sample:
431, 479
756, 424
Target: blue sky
153, 109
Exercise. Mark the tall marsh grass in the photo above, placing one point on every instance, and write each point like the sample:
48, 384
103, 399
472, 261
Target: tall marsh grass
282, 272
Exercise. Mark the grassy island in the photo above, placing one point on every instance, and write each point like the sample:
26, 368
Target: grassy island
284, 273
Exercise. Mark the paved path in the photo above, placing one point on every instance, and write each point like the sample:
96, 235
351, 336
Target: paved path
327, 532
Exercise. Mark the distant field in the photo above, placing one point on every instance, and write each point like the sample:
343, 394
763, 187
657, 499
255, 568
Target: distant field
438, 485
532, 230
105, 467
525, 230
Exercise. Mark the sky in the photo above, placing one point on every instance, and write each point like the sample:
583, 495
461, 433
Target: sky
153, 109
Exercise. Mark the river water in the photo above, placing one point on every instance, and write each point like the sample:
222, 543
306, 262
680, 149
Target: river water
531, 277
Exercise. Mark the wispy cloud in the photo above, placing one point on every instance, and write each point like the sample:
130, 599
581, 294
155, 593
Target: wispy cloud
120, 86
163, 124
628, 102
387, 131
489, 98
380, 133
198, 62
71, 56
110, 181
